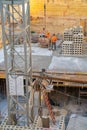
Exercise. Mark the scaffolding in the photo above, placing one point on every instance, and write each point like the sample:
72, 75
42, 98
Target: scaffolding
17, 54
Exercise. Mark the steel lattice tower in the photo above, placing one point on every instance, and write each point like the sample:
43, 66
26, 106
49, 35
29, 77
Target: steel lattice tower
17, 54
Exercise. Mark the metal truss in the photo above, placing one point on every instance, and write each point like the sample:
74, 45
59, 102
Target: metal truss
17, 53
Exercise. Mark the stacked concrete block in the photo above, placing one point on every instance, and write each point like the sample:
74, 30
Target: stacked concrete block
4, 126
77, 30
67, 45
77, 49
67, 48
62, 123
68, 35
73, 41
78, 38
77, 44
14, 127
84, 49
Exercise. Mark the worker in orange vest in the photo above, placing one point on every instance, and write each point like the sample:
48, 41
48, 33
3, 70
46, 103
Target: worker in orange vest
47, 35
53, 41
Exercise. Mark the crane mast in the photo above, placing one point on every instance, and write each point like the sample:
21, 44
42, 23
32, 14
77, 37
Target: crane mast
17, 56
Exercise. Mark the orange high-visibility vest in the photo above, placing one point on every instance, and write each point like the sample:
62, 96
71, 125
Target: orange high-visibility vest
48, 35
53, 39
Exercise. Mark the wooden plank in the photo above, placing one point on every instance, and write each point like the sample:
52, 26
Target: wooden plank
2, 75
62, 78
83, 92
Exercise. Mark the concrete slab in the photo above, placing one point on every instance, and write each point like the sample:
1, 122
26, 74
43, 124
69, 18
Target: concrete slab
41, 51
68, 64
40, 62
77, 123
50, 60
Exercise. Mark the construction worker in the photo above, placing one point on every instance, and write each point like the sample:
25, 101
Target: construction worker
48, 36
53, 41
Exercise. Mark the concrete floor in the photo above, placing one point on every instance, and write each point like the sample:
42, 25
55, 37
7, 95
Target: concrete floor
56, 62
51, 60
77, 123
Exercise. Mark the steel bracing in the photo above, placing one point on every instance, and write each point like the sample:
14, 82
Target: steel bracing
15, 34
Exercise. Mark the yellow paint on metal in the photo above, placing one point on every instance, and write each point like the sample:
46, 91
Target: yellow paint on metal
2, 75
